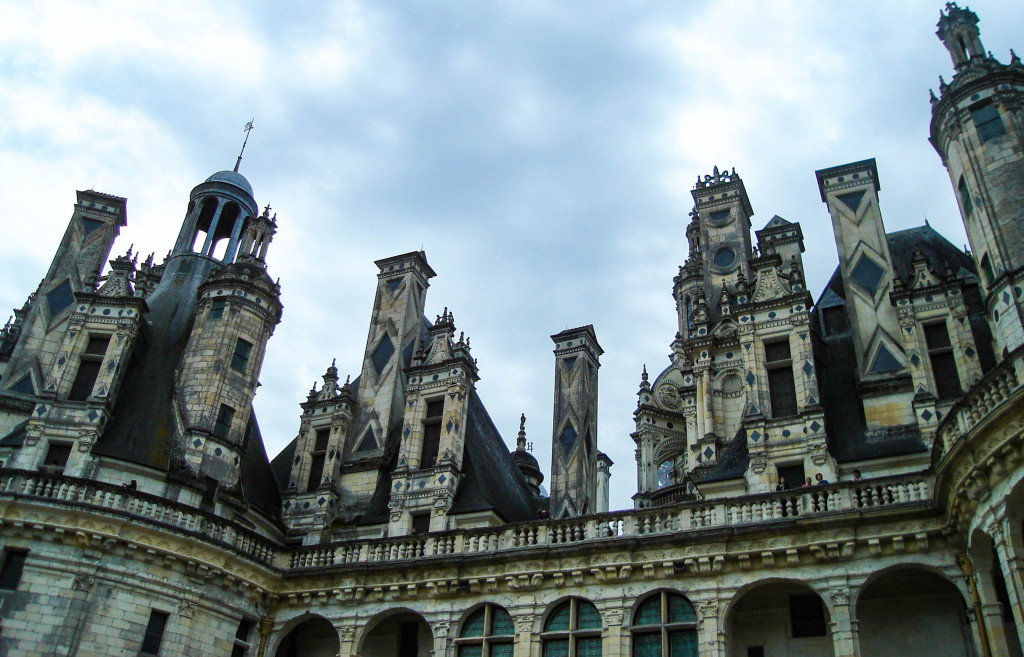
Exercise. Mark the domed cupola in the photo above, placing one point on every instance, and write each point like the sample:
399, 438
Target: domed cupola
219, 209
525, 461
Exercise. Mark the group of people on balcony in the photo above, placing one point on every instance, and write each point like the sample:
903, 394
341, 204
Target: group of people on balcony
819, 480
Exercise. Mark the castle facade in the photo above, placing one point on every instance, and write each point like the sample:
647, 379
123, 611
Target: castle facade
819, 473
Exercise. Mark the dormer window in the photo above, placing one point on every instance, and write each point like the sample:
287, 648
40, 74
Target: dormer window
431, 433
89, 367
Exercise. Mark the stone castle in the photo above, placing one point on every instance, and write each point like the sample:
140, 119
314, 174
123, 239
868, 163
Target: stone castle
831, 475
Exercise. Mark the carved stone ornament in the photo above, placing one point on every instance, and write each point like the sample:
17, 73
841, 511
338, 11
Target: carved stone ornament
839, 596
441, 629
668, 396
33, 434
613, 617
524, 624
758, 463
186, 609
348, 632
83, 582
819, 453
708, 609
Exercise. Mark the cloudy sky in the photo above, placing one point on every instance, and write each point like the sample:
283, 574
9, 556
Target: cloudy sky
540, 152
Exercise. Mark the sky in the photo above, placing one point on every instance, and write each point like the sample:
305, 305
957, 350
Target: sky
541, 153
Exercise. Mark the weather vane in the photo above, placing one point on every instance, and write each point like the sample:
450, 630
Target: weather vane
248, 129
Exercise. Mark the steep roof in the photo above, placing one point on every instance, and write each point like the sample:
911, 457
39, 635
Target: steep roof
836, 362
493, 481
142, 426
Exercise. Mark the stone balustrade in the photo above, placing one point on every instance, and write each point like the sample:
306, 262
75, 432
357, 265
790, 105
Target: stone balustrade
118, 500
832, 499
782, 506
994, 390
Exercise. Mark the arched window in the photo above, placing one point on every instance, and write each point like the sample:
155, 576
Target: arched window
665, 625
665, 474
488, 632
573, 630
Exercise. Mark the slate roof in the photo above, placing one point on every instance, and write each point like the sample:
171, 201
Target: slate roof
836, 362
142, 426
16, 436
493, 481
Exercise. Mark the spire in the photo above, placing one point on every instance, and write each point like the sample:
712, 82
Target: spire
958, 31
247, 129
521, 439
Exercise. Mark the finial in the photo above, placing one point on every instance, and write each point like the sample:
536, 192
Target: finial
266, 210
521, 438
247, 129
643, 377
522, 422
1014, 59
334, 362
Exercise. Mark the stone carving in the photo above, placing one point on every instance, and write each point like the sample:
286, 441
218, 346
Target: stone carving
441, 629
839, 596
708, 609
668, 396
524, 624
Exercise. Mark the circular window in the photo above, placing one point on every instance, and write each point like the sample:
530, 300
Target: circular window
724, 257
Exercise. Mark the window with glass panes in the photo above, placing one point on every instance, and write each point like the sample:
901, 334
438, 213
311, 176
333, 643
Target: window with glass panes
488, 632
573, 629
665, 625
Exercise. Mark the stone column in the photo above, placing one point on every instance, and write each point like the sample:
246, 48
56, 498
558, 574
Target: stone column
710, 629
524, 636
266, 625
614, 640
1010, 551
845, 641
348, 640
440, 630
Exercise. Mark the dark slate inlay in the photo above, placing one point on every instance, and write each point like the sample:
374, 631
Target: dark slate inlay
569, 363
719, 215
60, 298
885, 361
393, 284
915, 360
724, 257
90, 225
567, 438
927, 415
867, 274
368, 443
24, 385
815, 427
382, 354
852, 200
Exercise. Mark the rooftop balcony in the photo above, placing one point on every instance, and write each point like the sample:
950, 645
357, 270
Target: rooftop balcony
833, 500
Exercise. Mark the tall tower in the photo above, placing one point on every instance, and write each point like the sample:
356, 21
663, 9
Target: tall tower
236, 311
978, 129
393, 337
574, 455
851, 193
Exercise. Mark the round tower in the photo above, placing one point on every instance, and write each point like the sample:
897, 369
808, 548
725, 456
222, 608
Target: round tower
236, 311
978, 129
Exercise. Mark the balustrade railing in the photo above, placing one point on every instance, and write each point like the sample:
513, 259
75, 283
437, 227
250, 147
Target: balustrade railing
838, 498
994, 389
119, 500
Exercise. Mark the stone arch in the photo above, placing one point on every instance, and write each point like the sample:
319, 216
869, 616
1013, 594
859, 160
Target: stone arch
912, 609
781, 616
993, 588
307, 635
397, 632
630, 612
